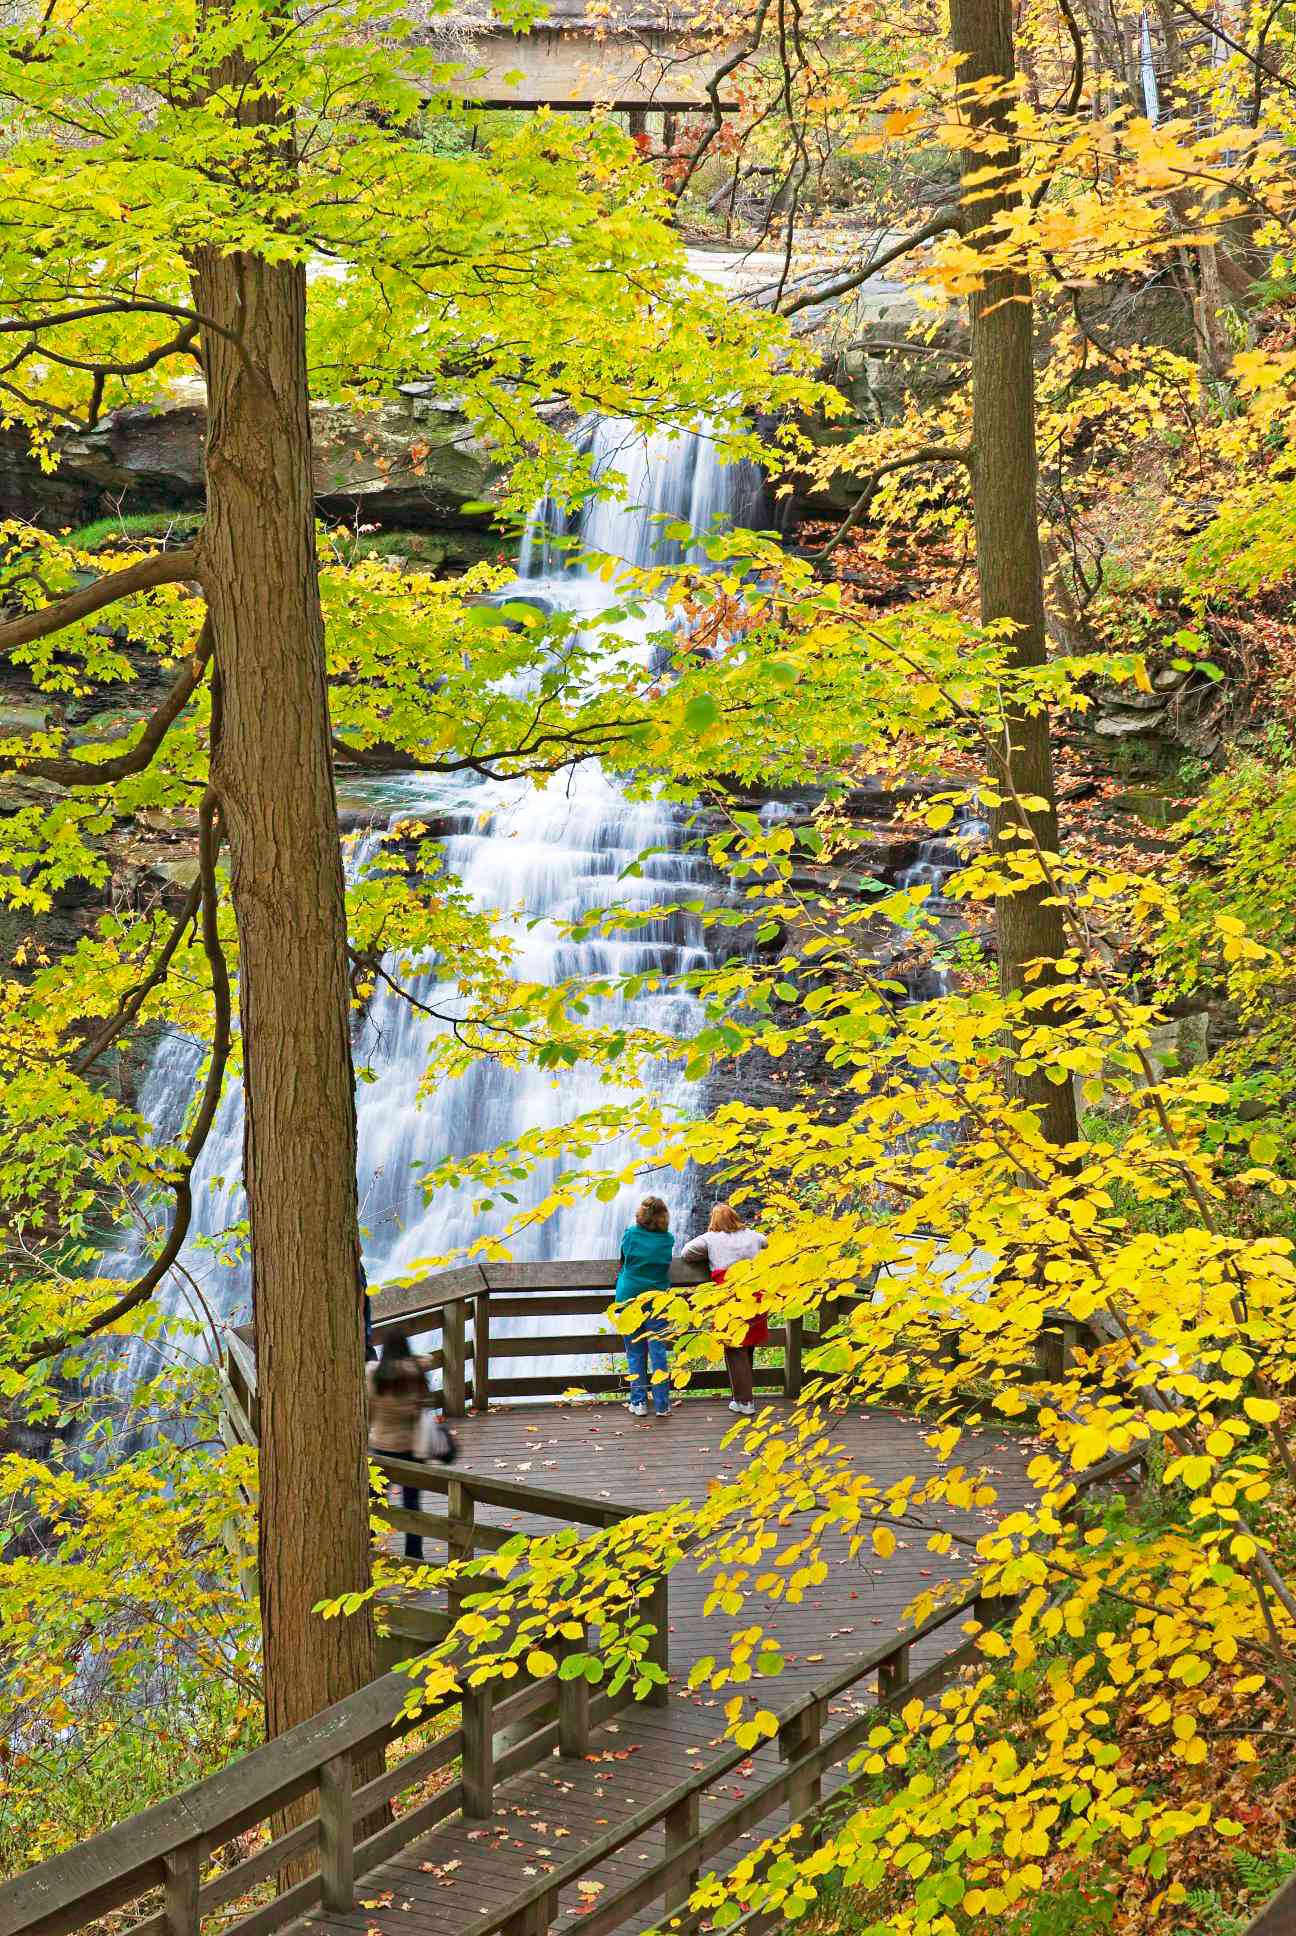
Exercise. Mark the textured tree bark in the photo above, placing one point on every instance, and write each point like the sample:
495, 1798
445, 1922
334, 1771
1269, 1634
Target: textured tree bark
1004, 481
273, 774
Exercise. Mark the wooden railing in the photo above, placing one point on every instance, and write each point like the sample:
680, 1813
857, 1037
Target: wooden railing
499, 1735
807, 1753
167, 1848
468, 1309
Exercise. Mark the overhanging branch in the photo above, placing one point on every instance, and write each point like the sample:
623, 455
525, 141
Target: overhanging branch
159, 568
945, 221
89, 773
569, 747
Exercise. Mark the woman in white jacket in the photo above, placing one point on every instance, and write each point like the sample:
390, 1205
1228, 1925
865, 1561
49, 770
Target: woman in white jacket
727, 1241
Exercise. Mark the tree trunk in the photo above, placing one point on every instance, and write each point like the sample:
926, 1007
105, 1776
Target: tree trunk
273, 773
1004, 477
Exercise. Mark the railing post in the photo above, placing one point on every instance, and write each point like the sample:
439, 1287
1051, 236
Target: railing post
481, 1351
792, 1356
478, 1710
1050, 1355
893, 1674
461, 1511
573, 1706
683, 1823
337, 1834
990, 1608
454, 1390
535, 1918
183, 1868
659, 1645
800, 1733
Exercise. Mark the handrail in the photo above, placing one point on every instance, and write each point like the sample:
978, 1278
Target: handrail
476, 1294
166, 1845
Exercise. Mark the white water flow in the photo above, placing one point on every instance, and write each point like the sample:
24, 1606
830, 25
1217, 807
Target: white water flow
555, 851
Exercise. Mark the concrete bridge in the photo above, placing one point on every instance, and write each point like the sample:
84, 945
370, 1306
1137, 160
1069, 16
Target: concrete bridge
643, 56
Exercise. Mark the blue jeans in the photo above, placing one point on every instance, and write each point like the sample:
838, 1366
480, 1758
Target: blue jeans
646, 1350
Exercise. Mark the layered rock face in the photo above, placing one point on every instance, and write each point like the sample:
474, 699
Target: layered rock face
413, 463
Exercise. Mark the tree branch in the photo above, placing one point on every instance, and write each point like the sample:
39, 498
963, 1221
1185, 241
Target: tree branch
183, 340
581, 743
81, 773
925, 454
722, 73
944, 220
131, 1003
160, 568
11, 325
1235, 46
209, 840
1072, 102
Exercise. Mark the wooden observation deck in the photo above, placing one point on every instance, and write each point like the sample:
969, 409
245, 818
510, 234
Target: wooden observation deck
545, 1805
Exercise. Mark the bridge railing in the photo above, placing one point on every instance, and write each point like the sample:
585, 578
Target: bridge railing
483, 1317
173, 1851
807, 1750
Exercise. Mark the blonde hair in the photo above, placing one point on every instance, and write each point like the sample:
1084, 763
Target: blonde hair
725, 1217
653, 1214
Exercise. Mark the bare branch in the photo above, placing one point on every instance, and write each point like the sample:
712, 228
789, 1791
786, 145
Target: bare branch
578, 743
943, 222
722, 73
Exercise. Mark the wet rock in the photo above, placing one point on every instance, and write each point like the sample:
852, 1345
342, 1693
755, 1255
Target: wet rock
177, 874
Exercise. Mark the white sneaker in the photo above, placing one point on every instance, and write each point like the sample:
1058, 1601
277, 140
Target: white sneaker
743, 1411
638, 1411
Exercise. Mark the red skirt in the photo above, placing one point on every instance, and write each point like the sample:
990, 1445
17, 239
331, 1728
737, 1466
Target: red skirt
757, 1331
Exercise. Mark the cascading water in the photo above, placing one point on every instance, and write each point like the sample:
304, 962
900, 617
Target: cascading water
559, 849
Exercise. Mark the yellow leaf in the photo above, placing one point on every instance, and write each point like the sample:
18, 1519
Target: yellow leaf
884, 1543
1262, 1410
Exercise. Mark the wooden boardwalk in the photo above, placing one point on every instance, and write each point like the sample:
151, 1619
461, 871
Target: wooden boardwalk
462, 1871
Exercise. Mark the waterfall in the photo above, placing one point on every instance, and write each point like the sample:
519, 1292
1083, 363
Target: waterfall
560, 850
676, 479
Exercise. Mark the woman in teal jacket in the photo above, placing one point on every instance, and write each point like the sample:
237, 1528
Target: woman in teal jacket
645, 1266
